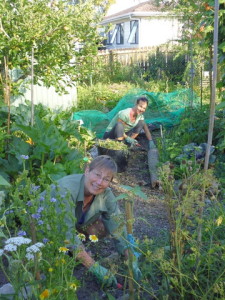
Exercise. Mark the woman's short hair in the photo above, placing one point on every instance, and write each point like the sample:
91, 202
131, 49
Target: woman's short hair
142, 98
105, 162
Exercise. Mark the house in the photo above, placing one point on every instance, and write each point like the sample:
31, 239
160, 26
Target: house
142, 25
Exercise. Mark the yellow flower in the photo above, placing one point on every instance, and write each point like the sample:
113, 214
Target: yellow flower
93, 238
50, 270
63, 249
219, 221
45, 294
29, 141
81, 236
73, 286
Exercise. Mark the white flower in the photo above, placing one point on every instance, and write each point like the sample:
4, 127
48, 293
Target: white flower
1, 252
39, 245
18, 241
29, 256
10, 247
34, 248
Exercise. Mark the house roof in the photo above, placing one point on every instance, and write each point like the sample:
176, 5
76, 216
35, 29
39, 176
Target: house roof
143, 9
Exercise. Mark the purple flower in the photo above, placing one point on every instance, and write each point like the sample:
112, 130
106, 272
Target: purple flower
21, 233
35, 187
36, 216
53, 200
29, 203
42, 198
40, 222
45, 240
24, 156
8, 212
40, 209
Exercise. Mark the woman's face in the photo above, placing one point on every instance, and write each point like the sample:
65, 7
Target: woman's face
97, 180
141, 107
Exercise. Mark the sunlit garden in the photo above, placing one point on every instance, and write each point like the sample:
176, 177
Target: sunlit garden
40, 145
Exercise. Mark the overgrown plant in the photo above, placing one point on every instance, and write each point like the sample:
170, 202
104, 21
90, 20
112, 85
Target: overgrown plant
191, 267
54, 149
34, 250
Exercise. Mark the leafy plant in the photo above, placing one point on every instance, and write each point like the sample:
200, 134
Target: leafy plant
33, 244
112, 144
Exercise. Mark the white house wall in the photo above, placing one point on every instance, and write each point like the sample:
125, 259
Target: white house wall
154, 32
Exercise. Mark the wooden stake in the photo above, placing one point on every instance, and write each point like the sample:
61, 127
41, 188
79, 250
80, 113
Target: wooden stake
129, 225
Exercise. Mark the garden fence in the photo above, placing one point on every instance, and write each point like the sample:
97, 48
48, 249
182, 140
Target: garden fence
157, 63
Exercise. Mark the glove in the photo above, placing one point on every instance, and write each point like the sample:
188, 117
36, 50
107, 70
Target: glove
136, 271
103, 275
151, 145
131, 141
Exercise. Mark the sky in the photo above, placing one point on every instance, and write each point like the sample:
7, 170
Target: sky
123, 4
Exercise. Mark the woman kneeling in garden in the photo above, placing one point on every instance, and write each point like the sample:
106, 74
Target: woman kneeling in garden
96, 213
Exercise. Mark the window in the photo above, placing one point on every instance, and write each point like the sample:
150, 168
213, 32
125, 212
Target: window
120, 35
133, 37
109, 36
117, 35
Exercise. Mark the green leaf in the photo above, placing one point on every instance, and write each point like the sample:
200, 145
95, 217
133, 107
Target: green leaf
110, 297
221, 105
126, 187
4, 182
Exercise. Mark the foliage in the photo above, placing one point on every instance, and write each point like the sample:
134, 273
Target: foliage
112, 144
54, 154
101, 96
198, 31
33, 246
63, 37
190, 266
157, 68
193, 128
165, 65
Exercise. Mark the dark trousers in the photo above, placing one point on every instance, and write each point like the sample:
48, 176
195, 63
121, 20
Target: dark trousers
118, 130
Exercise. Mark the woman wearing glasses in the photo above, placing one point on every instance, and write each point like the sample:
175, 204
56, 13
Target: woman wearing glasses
96, 212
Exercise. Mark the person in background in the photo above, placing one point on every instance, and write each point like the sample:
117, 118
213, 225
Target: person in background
96, 213
128, 123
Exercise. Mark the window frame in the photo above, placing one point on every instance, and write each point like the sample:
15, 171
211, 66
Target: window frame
134, 30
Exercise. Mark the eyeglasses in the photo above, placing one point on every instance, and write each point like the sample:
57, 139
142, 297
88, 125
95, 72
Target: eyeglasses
104, 179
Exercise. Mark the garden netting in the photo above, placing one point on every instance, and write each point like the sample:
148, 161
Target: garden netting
163, 108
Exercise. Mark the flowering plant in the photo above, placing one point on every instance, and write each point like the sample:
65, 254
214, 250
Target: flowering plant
35, 256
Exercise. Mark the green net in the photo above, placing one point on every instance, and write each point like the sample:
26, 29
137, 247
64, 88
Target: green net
163, 108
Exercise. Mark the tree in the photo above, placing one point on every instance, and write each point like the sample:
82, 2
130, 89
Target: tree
199, 19
63, 37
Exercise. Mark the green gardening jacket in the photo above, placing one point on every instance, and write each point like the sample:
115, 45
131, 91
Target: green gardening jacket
103, 205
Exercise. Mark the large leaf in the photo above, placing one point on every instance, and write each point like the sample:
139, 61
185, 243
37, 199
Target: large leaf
4, 182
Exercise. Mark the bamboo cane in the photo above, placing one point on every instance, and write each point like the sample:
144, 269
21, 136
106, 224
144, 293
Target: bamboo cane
129, 220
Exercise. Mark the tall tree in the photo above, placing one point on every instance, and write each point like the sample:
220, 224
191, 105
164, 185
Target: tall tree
63, 37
